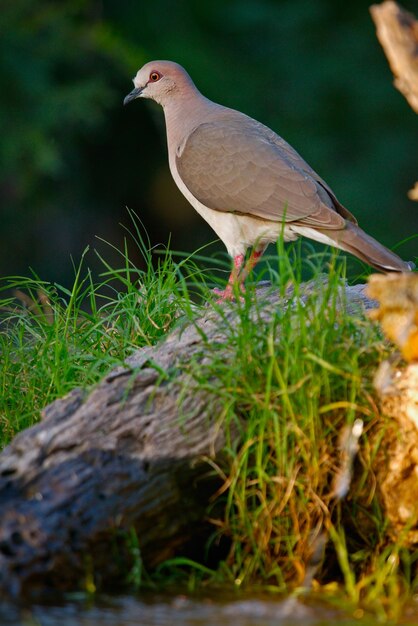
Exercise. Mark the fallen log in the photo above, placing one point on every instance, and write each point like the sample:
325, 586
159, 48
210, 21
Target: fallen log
129, 455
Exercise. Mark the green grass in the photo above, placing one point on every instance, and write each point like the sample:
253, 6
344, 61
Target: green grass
288, 387
53, 339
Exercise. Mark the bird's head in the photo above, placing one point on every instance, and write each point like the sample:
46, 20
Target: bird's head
160, 81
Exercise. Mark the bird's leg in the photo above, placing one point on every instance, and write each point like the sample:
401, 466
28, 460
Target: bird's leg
240, 273
256, 254
234, 278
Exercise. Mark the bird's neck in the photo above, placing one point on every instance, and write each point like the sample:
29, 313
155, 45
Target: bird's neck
185, 112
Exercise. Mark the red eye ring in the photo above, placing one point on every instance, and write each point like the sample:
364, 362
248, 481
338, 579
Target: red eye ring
154, 76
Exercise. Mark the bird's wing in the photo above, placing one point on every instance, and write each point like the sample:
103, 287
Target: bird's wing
295, 158
231, 165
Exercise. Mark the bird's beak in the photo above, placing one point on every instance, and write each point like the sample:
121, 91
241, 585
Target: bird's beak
135, 93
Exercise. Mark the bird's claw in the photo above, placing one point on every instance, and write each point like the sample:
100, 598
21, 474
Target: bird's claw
227, 294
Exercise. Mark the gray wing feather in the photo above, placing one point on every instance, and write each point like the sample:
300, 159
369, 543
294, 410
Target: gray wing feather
238, 165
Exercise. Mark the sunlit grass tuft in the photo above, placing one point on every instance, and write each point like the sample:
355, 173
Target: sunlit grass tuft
290, 384
53, 339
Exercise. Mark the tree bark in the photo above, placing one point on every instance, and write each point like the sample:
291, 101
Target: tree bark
396, 464
397, 31
131, 454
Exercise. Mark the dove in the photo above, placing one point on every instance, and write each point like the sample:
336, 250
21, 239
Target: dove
247, 182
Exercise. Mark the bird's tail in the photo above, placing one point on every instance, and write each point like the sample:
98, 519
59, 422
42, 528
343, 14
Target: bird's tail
354, 240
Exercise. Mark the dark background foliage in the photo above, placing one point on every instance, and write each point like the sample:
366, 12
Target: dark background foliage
72, 158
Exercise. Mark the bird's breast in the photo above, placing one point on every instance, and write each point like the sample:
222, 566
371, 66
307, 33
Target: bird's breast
238, 232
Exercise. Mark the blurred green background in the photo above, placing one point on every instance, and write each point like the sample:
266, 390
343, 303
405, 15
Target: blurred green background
72, 157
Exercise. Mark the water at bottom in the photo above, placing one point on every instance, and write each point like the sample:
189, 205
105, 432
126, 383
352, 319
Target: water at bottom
180, 610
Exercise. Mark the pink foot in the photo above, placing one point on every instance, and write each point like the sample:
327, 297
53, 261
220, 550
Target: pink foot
227, 294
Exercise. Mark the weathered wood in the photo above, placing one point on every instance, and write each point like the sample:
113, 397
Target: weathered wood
396, 465
397, 31
129, 454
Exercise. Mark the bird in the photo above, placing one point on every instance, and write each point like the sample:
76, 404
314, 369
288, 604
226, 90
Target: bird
247, 182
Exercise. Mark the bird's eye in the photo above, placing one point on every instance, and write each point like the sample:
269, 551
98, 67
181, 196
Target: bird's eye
154, 76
